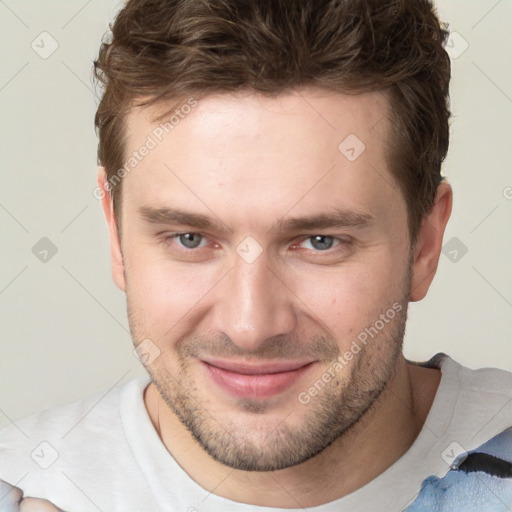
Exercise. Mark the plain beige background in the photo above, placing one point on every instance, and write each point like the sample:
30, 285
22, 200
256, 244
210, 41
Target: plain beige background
64, 327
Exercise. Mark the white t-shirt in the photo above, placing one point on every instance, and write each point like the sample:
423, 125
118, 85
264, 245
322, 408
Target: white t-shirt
103, 453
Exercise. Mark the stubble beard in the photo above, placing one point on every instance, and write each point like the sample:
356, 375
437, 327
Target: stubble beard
257, 446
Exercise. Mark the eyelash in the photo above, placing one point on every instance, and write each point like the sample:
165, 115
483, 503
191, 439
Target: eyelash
168, 238
343, 242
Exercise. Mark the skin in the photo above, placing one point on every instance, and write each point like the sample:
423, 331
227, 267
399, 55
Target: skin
248, 161
13, 501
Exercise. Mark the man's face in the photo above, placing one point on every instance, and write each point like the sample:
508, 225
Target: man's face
257, 252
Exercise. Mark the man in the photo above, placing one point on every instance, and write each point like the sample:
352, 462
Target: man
270, 176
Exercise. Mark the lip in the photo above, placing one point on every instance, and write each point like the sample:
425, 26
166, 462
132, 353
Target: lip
256, 381
256, 369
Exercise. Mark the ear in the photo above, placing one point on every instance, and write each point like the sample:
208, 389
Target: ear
429, 243
116, 254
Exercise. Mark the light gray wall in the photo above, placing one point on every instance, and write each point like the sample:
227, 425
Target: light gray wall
64, 328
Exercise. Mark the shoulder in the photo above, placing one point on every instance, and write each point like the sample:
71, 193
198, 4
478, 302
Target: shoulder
56, 419
485, 379
478, 481
479, 402
486, 388
475, 441
56, 439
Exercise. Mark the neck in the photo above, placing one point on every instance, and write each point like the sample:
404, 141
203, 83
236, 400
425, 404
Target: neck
381, 437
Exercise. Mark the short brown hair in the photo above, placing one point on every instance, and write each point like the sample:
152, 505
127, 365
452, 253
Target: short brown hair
170, 49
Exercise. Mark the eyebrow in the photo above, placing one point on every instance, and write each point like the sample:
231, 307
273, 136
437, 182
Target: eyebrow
179, 216
337, 218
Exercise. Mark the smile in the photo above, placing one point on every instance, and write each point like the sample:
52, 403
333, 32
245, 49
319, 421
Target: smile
259, 381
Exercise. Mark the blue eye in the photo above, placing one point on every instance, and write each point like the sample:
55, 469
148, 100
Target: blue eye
321, 242
190, 240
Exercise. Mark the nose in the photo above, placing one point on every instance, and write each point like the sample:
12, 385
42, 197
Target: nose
253, 304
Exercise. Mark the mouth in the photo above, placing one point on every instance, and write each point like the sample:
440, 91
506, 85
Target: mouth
256, 381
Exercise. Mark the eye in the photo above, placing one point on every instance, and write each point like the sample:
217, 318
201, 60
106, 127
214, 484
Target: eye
188, 246
190, 240
319, 242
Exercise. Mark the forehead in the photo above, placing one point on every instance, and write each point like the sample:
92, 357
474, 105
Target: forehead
308, 114
263, 154
304, 111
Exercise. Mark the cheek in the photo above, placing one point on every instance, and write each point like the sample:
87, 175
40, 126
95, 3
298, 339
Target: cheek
165, 297
348, 299
169, 299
